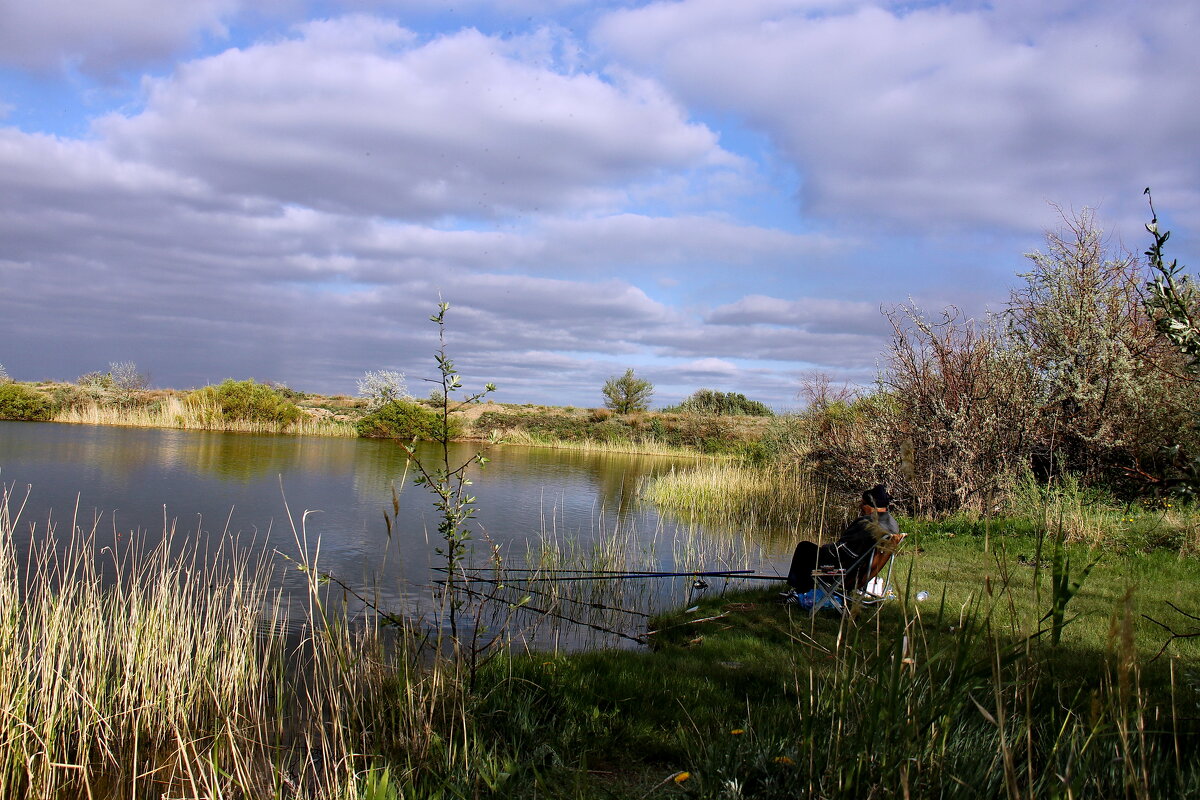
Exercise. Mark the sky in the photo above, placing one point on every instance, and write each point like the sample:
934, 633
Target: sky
722, 195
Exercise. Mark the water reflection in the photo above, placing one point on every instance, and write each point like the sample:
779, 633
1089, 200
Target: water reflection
530, 500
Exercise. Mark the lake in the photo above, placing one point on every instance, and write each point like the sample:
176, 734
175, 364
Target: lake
535, 505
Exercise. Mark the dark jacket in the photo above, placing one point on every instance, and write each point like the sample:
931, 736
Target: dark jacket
846, 553
866, 531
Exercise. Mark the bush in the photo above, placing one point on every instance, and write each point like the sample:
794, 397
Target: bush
380, 387
401, 419
707, 401
247, 401
22, 403
95, 380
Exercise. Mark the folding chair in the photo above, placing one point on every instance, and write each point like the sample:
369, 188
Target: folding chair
836, 576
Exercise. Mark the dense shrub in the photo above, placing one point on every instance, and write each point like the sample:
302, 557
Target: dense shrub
401, 419
708, 434
1070, 379
707, 401
246, 401
22, 403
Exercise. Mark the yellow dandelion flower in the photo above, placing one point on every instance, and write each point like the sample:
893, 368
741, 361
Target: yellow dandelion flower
680, 777
736, 732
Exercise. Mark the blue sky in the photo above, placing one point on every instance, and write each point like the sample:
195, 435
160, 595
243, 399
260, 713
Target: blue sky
721, 195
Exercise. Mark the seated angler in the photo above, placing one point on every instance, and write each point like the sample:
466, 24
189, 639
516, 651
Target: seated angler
874, 525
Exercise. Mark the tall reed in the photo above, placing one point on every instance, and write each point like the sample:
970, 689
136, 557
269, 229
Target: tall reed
771, 496
173, 412
147, 667
637, 446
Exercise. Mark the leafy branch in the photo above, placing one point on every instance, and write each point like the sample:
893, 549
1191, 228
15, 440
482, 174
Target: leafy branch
449, 483
1172, 300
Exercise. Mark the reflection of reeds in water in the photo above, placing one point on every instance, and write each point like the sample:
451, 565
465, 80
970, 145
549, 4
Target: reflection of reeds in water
173, 412
574, 591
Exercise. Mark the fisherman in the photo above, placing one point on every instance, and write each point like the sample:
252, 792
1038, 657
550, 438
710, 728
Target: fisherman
874, 525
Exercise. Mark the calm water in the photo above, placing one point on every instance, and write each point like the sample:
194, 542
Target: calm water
206, 484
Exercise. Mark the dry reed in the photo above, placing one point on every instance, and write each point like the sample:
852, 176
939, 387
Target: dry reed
173, 412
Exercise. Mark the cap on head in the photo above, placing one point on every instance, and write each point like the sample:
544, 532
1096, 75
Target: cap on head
877, 497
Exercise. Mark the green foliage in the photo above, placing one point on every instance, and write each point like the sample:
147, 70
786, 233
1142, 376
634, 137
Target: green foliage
1173, 303
247, 400
627, 393
449, 482
1172, 300
402, 419
19, 402
708, 401
707, 434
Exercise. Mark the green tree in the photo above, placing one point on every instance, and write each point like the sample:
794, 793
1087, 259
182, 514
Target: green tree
448, 481
627, 393
1172, 302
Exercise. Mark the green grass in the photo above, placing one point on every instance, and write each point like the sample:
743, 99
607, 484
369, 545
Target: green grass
959, 695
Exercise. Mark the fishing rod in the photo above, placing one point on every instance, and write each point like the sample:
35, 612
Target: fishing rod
499, 584
547, 613
611, 575
588, 571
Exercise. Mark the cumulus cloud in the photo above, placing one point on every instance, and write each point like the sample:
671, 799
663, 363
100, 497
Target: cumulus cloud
934, 117
356, 115
103, 36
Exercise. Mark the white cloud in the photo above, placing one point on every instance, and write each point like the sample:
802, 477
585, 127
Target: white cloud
354, 115
103, 36
806, 313
941, 116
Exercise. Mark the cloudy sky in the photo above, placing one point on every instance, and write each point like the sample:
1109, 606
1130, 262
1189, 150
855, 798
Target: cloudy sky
719, 194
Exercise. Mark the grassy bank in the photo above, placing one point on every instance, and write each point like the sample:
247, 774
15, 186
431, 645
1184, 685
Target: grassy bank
173, 412
638, 432
307, 414
962, 695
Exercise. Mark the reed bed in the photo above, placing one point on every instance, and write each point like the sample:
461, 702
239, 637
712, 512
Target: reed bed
174, 412
748, 496
641, 446
155, 667
130, 663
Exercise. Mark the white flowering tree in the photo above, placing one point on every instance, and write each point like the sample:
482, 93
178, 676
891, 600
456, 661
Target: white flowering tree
380, 387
